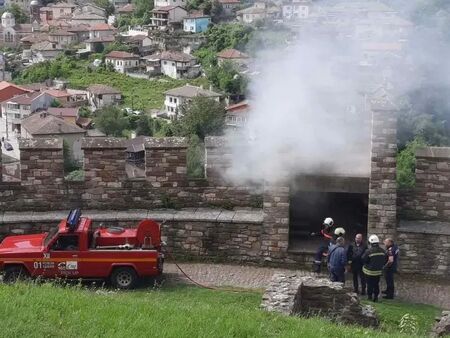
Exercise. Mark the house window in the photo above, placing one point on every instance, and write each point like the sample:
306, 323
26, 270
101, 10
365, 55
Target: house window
170, 99
173, 64
165, 62
174, 100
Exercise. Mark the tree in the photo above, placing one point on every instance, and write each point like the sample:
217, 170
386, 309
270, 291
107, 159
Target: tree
106, 5
19, 14
220, 37
144, 126
55, 103
227, 78
202, 117
142, 9
111, 121
195, 157
406, 163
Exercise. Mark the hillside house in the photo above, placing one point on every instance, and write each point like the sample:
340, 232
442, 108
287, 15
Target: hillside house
82, 31
87, 18
164, 3
91, 9
140, 42
230, 6
100, 30
69, 115
237, 114
101, 95
63, 37
122, 61
9, 90
43, 125
17, 108
163, 17
233, 55
68, 97
99, 44
45, 50
176, 97
196, 23
178, 65
259, 11
55, 11
296, 9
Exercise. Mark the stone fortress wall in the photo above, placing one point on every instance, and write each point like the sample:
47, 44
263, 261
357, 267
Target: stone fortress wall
217, 219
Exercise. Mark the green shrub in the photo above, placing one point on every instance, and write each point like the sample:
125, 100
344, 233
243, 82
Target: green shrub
406, 163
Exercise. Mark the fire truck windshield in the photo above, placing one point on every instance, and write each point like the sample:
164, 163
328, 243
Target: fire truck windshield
50, 235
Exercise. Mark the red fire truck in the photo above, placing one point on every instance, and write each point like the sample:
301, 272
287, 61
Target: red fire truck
75, 250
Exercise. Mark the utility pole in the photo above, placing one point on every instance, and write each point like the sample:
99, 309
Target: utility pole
6, 119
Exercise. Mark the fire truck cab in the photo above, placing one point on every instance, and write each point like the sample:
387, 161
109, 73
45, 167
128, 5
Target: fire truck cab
75, 250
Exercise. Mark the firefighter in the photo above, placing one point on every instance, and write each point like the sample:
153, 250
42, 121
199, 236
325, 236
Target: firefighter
391, 267
327, 234
374, 260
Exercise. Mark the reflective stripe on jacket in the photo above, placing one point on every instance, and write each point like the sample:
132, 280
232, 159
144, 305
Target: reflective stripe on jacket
374, 259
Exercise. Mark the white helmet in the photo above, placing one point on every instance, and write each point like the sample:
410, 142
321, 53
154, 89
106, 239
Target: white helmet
328, 222
373, 239
339, 232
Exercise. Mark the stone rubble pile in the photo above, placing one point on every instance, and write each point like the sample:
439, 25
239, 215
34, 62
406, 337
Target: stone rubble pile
310, 296
442, 327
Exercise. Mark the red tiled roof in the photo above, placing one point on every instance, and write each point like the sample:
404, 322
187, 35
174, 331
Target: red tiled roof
165, 8
25, 98
63, 112
121, 55
241, 107
102, 89
232, 54
57, 93
102, 27
106, 38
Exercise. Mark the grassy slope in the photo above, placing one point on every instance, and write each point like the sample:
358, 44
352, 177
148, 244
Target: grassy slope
142, 93
46, 310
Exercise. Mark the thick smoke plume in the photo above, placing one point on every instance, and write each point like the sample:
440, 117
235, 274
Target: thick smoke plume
310, 110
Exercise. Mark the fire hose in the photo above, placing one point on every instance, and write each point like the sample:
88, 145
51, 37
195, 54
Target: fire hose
200, 284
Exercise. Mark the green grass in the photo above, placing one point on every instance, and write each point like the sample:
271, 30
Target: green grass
139, 93
57, 311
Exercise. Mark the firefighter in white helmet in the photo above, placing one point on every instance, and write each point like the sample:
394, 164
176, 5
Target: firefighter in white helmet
374, 260
327, 236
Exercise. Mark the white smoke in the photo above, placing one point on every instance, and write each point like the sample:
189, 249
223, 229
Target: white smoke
309, 105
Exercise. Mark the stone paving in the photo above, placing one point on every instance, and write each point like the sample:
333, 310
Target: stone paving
241, 276
256, 277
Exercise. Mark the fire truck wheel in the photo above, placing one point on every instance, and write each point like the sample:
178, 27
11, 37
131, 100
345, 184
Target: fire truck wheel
14, 274
124, 278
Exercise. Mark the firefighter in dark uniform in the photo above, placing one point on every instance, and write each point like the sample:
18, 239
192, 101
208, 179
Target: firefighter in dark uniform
327, 233
391, 267
374, 260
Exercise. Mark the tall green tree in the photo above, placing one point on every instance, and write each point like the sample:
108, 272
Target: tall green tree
142, 10
202, 117
144, 126
106, 5
19, 14
111, 121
